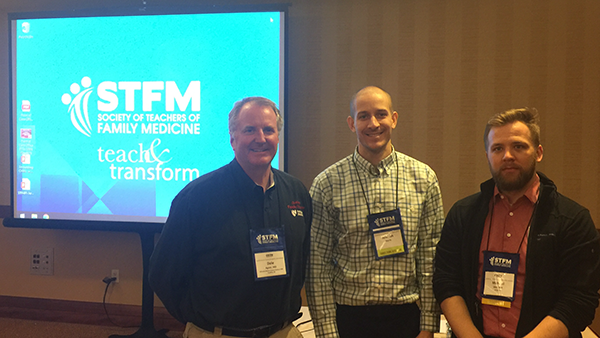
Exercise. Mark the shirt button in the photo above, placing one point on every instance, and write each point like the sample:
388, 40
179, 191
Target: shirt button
511, 213
508, 234
503, 325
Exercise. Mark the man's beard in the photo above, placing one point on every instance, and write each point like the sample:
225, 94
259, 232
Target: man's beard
517, 184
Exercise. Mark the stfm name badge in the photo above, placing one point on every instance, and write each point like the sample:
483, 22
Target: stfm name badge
388, 234
269, 252
499, 278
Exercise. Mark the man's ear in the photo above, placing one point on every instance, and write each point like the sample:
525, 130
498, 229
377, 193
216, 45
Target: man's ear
350, 121
539, 153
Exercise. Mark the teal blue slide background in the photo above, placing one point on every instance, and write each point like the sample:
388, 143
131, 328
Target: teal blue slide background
66, 173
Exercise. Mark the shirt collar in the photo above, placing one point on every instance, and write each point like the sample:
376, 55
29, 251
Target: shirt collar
271, 179
245, 181
383, 168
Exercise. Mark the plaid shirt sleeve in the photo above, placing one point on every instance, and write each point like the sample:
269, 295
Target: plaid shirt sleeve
319, 289
430, 227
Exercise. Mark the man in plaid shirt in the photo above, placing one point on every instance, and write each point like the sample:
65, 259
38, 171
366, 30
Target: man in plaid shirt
377, 217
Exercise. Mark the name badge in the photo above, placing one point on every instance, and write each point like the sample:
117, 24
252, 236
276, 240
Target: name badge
269, 251
499, 278
388, 234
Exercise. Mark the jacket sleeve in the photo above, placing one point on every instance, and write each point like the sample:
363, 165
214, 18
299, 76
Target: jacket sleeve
169, 271
447, 276
578, 273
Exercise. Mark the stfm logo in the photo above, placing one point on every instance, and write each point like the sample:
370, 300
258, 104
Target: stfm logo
501, 262
151, 91
386, 220
267, 239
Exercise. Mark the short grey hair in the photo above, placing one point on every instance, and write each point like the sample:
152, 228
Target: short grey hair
258, 100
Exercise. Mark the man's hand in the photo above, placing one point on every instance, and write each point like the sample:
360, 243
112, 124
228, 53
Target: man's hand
457, 314
425, 334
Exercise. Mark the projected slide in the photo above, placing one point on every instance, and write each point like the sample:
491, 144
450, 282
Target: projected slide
113, 116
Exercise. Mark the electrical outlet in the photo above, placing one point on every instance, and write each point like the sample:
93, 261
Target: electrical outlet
115, 274
41, 261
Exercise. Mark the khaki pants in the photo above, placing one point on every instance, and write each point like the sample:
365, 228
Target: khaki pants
192, 331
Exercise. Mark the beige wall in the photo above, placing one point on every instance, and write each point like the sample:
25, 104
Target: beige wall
448, 64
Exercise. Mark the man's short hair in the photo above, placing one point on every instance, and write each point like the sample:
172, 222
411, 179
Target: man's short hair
528, 116
365, 89
258, 100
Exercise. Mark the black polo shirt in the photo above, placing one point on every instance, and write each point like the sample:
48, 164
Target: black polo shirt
202, 267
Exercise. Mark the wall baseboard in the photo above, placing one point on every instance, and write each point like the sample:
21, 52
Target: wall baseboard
83, 312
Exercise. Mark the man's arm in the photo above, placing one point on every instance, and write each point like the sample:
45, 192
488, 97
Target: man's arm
578, 278
456, 313
319, 290
579, 281
168, 269
430, 227
448, 278
549, 327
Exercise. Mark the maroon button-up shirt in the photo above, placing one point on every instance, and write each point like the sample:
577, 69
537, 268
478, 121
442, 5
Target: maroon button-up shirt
508, 228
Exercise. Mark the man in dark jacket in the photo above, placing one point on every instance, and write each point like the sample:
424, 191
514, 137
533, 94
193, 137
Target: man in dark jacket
518, 258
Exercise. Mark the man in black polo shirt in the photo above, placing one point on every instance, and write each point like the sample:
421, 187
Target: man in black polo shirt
232, 256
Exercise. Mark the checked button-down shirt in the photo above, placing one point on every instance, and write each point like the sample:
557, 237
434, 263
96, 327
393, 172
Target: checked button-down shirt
343, 268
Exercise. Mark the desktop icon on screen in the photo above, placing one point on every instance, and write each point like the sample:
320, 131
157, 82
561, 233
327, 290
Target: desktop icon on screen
25, 105
26, 158
25, 27
26, 133
25, 184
